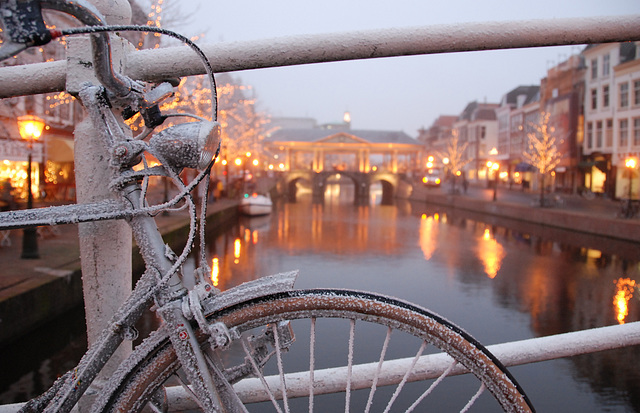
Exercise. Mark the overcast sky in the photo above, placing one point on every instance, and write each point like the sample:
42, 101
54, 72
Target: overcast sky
405, 93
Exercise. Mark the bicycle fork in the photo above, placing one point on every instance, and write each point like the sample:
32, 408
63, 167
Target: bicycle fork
209, 386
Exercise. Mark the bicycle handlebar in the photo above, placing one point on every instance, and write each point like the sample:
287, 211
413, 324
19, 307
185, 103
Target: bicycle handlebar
23, 21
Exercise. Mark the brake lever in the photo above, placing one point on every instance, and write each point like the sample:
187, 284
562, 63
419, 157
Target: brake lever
22, 21
149, 105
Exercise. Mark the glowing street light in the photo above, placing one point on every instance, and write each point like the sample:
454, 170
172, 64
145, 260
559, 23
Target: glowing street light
495, 167
630, 164
30, 128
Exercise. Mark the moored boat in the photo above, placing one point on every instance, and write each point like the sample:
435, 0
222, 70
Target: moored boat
255, 204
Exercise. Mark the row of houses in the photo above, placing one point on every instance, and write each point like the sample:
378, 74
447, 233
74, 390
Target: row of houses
52, 155
593, 103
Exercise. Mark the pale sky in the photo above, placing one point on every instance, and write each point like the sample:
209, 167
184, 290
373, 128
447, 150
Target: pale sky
404, 93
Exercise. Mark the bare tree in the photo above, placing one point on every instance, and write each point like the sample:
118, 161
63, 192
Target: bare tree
455, 156
542, 153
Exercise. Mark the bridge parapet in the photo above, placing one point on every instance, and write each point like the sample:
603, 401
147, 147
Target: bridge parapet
391, 183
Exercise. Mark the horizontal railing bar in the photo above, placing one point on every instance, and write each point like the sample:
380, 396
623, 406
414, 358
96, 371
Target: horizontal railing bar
514, 353
319, 48
432, 366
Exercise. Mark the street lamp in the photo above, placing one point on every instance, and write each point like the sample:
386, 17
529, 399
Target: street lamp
495, 167
30, 128
630, 164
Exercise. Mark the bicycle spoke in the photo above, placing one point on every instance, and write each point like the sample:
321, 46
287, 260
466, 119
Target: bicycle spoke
432, 387
258, 372
474, 398
352, 332
312, 361
283, 384
406, 376
374, 385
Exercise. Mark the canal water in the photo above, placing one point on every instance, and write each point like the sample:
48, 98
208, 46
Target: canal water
499, 280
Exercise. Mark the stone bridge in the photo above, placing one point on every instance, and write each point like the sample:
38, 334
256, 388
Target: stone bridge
393, 184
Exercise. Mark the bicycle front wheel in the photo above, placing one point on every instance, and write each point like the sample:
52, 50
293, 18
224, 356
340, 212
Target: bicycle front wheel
330, 350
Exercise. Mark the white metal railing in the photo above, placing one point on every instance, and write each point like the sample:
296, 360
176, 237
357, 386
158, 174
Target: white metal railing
428, 367
298, 50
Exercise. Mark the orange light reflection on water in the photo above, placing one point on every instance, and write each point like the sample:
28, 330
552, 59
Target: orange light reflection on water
491, 253
236, 250
624, 287
428, 234
215, 272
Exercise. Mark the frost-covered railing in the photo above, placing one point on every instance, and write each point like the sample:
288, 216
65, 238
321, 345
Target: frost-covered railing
428, 367
298, 50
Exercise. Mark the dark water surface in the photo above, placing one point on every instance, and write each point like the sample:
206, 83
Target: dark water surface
499, 280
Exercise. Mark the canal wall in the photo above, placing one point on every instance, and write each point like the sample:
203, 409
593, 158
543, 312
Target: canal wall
42, 296
563, 218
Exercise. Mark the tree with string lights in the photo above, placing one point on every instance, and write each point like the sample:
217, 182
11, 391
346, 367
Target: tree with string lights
242, 126
455, 157
542, 152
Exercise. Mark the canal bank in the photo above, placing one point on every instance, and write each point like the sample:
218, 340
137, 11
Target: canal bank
593, 217
35, 291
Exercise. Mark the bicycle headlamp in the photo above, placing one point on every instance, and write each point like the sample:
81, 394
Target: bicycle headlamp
188, 145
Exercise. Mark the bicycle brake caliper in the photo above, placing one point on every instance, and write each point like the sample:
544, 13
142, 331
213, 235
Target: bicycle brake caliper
219, 335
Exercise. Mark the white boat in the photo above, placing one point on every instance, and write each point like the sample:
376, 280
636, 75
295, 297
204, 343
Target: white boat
255, 204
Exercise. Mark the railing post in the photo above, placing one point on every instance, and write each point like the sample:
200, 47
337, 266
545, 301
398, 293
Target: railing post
105, 247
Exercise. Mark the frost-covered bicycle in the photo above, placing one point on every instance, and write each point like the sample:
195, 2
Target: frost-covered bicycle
261, 346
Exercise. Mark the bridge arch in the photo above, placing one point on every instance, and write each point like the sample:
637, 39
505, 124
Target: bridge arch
389, 181
291, 180
392, 184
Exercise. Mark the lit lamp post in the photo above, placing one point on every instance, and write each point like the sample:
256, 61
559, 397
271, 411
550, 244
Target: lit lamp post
495, 167
30, 128
630, 164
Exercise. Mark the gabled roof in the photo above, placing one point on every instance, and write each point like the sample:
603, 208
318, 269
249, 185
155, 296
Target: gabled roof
530, 93
479, 111
318, 135
445, 121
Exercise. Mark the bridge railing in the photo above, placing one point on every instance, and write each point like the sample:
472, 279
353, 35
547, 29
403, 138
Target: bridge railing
298, 50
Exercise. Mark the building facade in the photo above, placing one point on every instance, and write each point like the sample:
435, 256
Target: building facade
477, 126
611, 118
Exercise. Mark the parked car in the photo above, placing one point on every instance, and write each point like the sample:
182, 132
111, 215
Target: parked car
432, 178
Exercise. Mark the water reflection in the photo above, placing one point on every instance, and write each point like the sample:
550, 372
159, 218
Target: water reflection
215, 271
429, 234
501, 280
491, 253
624, 292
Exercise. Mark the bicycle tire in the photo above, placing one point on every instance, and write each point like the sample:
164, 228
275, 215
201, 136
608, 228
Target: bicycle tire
154, 364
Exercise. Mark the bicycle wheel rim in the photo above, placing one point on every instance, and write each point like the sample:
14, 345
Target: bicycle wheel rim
155, 367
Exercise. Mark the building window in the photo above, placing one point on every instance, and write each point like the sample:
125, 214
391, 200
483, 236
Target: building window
608, 133
624, 95
605, 65
599, 134
589, 135
605, 96
623, 133
594, 68
594, 98
636, 92
636, 132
